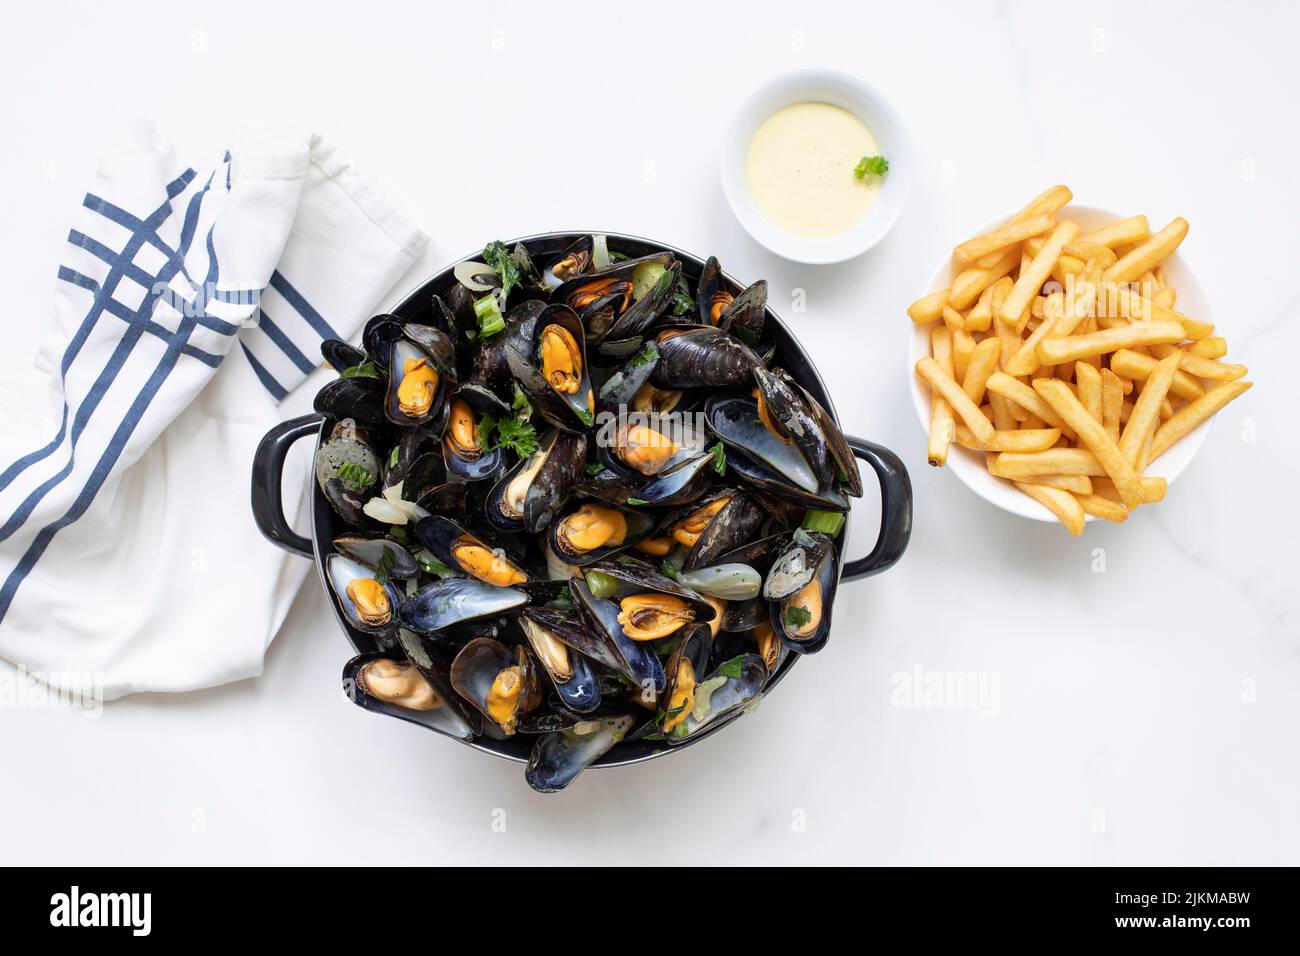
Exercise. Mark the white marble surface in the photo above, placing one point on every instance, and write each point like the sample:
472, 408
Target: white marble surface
1146, 714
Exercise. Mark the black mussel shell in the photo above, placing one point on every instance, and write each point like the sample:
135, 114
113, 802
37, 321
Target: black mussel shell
735, 421
376, 550
636, 577
638, 526
455, 601
679, 485
745, 615
634, 659
342, 571
363, 689
570, 672
734, 523
466, 459
574, 260
556, 466
340, 355
743, 681
477, 666
558, 758
841, 453
378, 337
768, 484
573, 411
608, 485
645, 311
360, 398
810, 557
788, 408
448, 542
431, 401
702, 357
412, 459
622, 386
695, 651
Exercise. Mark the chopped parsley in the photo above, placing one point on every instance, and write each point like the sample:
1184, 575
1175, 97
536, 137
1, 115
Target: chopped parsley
871, 166
504, 265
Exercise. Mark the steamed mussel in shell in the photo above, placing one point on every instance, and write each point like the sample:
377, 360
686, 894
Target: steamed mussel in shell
583, 504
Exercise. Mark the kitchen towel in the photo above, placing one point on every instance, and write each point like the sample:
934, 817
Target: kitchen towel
188, 304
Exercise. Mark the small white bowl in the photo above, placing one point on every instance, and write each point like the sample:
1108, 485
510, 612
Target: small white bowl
864, 102
969, 465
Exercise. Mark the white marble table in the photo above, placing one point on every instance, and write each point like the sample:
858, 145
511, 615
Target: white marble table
1144, 714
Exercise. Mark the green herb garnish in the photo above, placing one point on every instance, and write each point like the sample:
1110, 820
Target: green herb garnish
668, 569
827, 522
490, 321
731, 668
797, 616
392, 456
366, 369
561, 602
516, 434
719, 454
384, 568
871, 166
637, 501
357, 477
595, 468
425, 559
503, 264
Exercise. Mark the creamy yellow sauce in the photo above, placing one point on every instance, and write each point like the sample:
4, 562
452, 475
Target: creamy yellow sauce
799, 169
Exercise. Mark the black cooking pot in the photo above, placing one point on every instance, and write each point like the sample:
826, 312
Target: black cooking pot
268, 465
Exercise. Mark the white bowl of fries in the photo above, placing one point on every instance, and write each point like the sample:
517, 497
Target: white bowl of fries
1066, 364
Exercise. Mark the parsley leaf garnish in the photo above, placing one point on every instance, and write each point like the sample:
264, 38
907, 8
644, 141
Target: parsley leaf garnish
871, 166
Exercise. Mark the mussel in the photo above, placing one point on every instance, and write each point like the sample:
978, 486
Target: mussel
801, 588
552, 369
552, 637
595, 530
467, 553
502, 683
369, 603
452, 602
347, 470
559, 757
735, 685
702, 357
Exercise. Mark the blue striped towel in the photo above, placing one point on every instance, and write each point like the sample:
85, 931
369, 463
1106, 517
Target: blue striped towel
127, 554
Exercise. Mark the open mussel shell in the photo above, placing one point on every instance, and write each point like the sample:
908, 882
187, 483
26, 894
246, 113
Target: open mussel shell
414, 458
713, 525
736, 684
681, 484
634, 579
347, 470
737, 424
574, 260
501, 682
623, 385
767, 484
785, 407
847, 463
636, 660
608, 485
455, 601
595, 530
467, 553
686, 665
369, 604
645, 310
730, 582
553, 371
384, 684
603, 299
702, 357
771, 648
530, 494
559, 757
378, 336
417, 390
801, 590
571, 673
462, 449
376, 550
360, 398
642, 447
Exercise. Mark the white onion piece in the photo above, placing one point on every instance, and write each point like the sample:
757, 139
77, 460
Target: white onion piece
467, 270
599, 253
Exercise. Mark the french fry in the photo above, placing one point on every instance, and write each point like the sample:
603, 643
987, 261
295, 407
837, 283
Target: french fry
1023, 440
1002, 237
1200, 367
1026, 360
1147, 255
1004, 418
1053, 351
1074, 484
1021, 394
1086, 249
1088, 386
1024, 466
945, 385
1153, 489
1146, 410
1210, 347
1032, 279
928, 308
1103, 507
983, 363
1192, 414
968, 285
1117, 300
1134, 365
980, 317
953, 319
1060, 503
1092, 434
1125, 232
942, 425
1112, 401
1045, 203
962, 346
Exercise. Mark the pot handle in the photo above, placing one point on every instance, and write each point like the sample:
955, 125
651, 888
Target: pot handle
268, 474
895, 509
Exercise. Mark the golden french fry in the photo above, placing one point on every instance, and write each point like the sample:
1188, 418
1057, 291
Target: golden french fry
1165, 297
1038, 439
1192, 414
1053, 351
1134, 365
1193, 364
1103, 507
1212, 347
1024, 466
1146, 410
945, 385
1153, 489
983, 363
980, 316
968, 285
942, 425
1117, 301
1086, 249
1088, 381
953, 319
1074, 484
1122, 233
1025, 361
928, 308
1003, 417
1032, 279
1045, 203
1112, 402
1002, 237
963, 344
1022, 395
1060, 503
1147, 255
1092, 434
